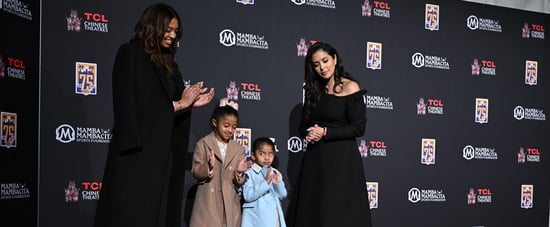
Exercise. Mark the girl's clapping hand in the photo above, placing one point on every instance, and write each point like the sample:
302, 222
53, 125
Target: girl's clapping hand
276, 176
244, 165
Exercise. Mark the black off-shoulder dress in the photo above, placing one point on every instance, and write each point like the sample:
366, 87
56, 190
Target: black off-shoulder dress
331, 189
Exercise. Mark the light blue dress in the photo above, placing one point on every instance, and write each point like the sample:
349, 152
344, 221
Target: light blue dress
262, 206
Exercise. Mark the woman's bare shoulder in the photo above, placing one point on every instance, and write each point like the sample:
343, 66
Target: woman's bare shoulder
349, 87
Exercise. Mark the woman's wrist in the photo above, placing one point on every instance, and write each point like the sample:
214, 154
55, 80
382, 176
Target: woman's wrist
175, 104
179, 105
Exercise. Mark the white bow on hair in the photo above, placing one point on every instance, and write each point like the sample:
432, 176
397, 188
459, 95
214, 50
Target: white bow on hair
231, 103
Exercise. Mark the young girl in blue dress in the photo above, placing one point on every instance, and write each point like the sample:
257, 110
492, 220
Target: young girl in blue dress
263, 189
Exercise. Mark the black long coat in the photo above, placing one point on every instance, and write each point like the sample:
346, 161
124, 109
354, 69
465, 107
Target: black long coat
143, 178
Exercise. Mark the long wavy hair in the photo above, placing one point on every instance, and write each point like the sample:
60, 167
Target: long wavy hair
315, 85
150, 30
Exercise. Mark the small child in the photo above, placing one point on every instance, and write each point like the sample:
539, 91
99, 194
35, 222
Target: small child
263, 189
219, 164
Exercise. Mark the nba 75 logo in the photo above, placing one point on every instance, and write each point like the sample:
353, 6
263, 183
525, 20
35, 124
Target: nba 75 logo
482, 111
8, 138
243, 136
526, 196
531, 72
428, 151
372, 189
374, 55
432, 17
86, 78
246, 2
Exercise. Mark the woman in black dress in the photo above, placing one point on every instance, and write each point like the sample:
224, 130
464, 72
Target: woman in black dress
331, 189
144, 172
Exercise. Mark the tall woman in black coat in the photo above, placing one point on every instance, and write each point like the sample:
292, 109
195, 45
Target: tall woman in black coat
144, 170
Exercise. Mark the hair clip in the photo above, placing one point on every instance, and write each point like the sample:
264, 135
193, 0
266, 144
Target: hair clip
231, 103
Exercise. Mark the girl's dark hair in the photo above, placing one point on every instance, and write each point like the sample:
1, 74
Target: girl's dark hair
222, 111
265, 141
261, 141
314, 84
150, 30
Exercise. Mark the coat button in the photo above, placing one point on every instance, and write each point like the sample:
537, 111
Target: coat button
230, 167
211, 189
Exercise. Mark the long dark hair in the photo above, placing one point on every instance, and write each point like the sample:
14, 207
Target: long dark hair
150, 30
314, 84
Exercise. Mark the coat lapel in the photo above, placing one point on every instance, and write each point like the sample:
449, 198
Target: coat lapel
233, 149
212, 144
231, 153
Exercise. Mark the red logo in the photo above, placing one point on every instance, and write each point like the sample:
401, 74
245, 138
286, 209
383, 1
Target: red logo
250, 87
92, 186
377, 144
97, 17
381, 5
17, 63
484, 191
533, 151
488, 64
537, 27
435, 102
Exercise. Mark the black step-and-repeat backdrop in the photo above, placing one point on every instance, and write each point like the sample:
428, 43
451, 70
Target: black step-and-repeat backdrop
19, 105
457, 92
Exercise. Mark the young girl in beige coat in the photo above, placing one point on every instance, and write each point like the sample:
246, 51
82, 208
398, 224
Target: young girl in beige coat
219, 164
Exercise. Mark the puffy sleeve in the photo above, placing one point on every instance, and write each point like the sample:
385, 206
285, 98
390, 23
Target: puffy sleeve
356, 119
124, 99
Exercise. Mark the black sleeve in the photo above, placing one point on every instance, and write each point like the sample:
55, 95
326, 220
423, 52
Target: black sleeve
124, 99
180, 84
355, 127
